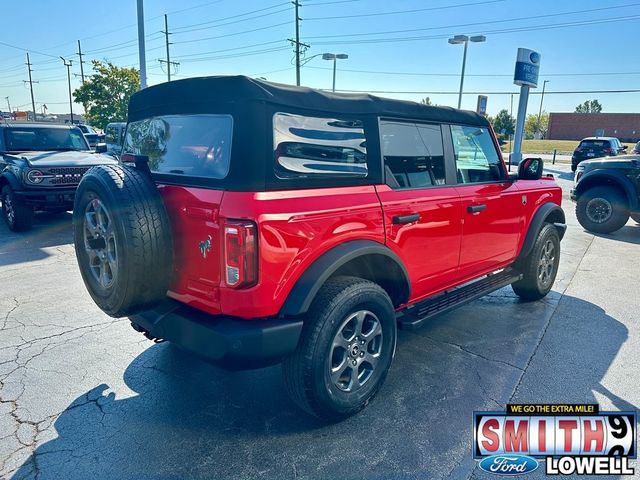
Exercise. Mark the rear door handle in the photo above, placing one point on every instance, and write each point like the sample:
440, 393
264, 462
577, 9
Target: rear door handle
398, 219
476, 208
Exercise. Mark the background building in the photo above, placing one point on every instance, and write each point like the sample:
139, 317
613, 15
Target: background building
575, 126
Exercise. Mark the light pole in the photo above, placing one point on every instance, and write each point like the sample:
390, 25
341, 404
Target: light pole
68, 65
8, 104
335, 57
458, 39
544, 84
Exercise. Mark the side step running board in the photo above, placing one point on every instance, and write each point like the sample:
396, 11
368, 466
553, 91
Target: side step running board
416, 315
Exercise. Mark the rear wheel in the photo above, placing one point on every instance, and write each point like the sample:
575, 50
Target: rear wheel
540, 268
602, 209
19, 217
345, 350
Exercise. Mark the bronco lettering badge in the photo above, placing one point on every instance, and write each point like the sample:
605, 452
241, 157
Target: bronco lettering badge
205, 246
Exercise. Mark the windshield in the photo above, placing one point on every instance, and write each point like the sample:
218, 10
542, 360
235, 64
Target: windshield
597, 144
26, 139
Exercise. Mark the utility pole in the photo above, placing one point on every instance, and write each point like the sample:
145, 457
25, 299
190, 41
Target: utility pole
68, 65
81, 62
544, 84
166, 41
141, 49
33, 102
8, 104
297, 41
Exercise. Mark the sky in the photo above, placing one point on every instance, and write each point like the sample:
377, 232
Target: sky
398, 48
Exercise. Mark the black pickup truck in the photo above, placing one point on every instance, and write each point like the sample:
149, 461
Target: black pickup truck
40, 168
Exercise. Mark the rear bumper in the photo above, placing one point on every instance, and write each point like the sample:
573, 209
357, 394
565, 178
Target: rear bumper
229, 342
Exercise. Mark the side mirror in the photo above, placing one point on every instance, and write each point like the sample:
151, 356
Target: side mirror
530, 169
101, 148
624, 148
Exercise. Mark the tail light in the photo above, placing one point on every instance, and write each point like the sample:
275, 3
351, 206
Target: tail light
240, 253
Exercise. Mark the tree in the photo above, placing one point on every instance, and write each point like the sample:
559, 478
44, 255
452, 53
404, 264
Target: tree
592, 106
426, 101
532, 126
504, 124
105, 95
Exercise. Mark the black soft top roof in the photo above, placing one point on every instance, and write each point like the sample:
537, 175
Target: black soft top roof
201, 94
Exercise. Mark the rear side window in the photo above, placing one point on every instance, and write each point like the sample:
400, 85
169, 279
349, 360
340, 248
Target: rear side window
413, 154
313, 147
477, 160
190, 145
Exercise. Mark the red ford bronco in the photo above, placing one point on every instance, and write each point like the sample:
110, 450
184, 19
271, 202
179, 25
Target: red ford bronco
253, 223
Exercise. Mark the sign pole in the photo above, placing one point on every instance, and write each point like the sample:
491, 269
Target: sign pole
516, 156
526, 75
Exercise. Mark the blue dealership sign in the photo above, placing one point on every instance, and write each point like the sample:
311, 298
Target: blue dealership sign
527, 68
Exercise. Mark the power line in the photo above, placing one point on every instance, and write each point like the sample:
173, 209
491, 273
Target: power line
486, 32
432, 74
398, 12
422, 92
234, 33
190, 28
460, 25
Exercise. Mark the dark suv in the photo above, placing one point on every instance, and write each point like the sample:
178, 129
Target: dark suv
253, 223
607, 193
595, 147
40, 168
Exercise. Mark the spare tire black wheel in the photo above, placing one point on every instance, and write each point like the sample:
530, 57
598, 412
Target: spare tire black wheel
122, 238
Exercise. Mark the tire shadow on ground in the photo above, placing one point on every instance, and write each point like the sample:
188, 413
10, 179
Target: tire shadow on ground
191, 420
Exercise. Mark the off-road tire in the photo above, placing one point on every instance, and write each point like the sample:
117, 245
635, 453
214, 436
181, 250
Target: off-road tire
607, 196
636, 217
532, 287
21, 218
306, 372
141, 234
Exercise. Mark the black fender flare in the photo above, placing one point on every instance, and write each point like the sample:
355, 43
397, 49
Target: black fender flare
595, 177
304, 291
542, 215
11, 180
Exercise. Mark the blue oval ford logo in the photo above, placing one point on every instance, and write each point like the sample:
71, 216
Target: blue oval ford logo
508, 464
534, 57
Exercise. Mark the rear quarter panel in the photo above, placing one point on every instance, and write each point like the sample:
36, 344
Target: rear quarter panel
296, 227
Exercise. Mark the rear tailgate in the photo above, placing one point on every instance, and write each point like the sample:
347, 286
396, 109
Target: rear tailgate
193, 213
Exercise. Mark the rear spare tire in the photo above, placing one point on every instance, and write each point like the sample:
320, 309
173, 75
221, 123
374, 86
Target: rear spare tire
122, 238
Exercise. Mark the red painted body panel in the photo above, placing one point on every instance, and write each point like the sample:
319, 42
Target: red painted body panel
294, 228
429, 247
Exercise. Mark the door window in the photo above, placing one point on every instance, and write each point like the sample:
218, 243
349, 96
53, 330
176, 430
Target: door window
413, 154
477, 160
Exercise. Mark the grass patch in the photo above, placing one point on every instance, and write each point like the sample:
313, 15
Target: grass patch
563, 147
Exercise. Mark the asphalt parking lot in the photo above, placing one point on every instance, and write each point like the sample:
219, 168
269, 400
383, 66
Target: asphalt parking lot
84, 396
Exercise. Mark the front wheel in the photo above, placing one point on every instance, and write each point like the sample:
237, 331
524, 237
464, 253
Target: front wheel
602, 210
347, 344
540, 268
19, 217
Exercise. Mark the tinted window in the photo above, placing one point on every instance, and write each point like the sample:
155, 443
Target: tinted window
310, 147
23, 139
193, 145
477, 160
413, 154
113, 134
595, 144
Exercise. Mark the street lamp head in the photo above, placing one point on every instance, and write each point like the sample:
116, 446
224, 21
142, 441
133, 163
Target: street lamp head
342, 56
478, 38
328, 56
458, 39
